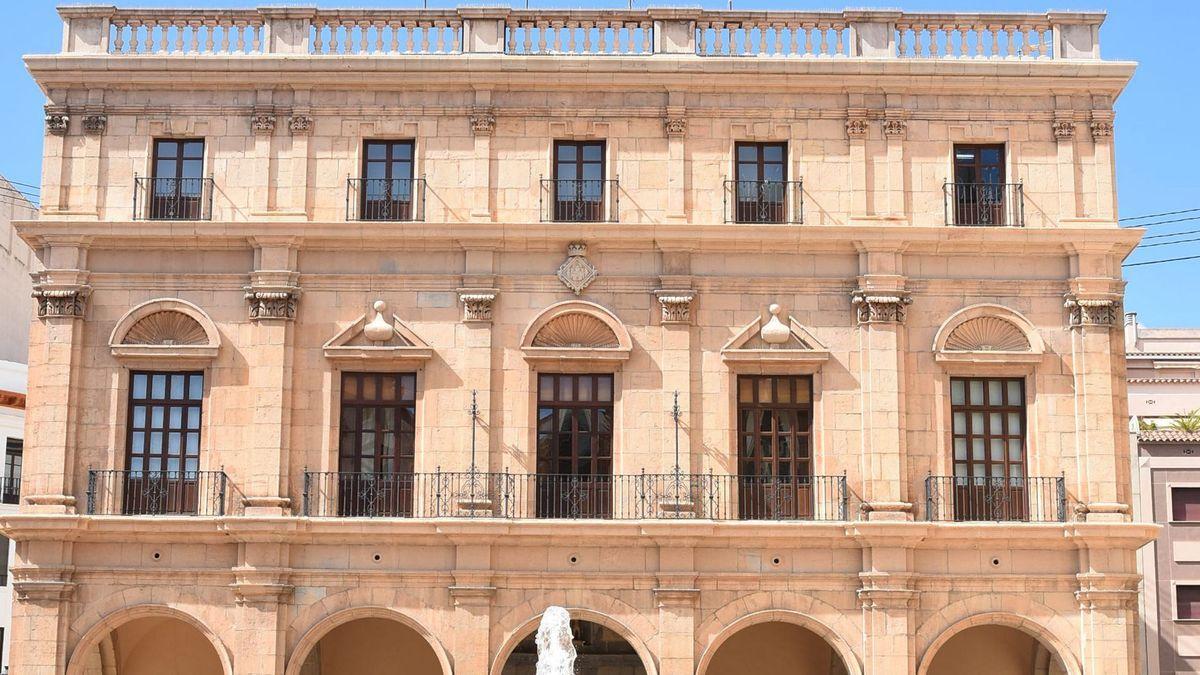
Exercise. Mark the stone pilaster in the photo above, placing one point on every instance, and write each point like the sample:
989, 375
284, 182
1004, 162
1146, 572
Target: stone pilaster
857, 130
292, 193
473, 593
43, 586
675, 127
54, 161
678, 360
1109, 618
262, 128
475, 335
678, 600
895, 129
483, 126
261, 588
1101, 127
1063, 130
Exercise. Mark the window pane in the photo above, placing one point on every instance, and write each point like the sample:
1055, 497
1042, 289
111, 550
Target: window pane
1185, 504
604, 387
960, 448
976, 392
957, 392
995, 392
158, 386
1014, 393
139, 385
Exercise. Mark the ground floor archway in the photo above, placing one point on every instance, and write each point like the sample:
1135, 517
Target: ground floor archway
775, 648
152, 645
599, 651
996, 650
371, 645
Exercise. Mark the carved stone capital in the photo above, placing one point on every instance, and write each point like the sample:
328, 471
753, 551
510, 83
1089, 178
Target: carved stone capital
1102, 130
57, 121
675, 125
252, 586
1107, 591
58, 300
95, 125
300, 125
1064, 129
880, 306
577, 272
676, 305
272, 302
483, 122
477, 303
857, 127
677, 597
895, 128
1102, 312
263, 124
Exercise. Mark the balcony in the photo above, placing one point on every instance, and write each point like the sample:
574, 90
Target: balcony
574, 497
985, 204
10, 490
156, 493
962, 499
764, 201
172, 198
386, 199
579, 201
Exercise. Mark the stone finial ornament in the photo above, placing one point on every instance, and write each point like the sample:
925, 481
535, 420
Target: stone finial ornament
577, 272
774, 332
379, 329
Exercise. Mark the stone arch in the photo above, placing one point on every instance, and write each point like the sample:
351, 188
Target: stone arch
314, 634
514, 637
308, 618
169, 322
988, 328
107, 623
597, 327
1031, 618
795, 618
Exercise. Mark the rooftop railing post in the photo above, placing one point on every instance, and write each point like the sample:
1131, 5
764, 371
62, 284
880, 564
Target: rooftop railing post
873, 34
86, 28
483, 29
674, 30
287, 30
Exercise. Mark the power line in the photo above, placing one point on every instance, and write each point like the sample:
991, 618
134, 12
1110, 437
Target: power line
1156, 215
1167, 243
1159, 262
28, 185
1161, 222
1173, 234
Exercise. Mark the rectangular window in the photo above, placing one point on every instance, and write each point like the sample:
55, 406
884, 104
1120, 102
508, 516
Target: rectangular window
162, 455
574, 446
1185, 504
988, 438
13, 459
387, 181
1187, 602
979, 191
177, 179
579, 185
376, 448
761, 190
774, 446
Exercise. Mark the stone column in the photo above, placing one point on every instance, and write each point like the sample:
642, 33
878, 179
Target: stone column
677, 597
54, 149
262, 588
473, 595
293, 192
894, 130
675, 125
857, 129
478, 296
272, 297
263, 192
1107, 595
42, 590
55, 401
887, 596
1063, 128
1105, 170
880, 304
483, 125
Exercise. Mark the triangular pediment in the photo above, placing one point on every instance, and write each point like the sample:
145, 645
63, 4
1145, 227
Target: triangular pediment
800, 352
749, 338
353, 343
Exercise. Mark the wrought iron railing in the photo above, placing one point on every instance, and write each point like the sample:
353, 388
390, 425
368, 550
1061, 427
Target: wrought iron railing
467, 494
580, 201
172, 198
156, 493
391, 199
958, 498
764, 201
985, 204
10, 490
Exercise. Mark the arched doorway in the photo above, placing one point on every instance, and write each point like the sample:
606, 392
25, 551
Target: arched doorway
371, 646
599, 651
996, 650
152, 645
775, 648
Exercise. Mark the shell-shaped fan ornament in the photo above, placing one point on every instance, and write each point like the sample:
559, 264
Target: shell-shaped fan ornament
379, 329
774, 333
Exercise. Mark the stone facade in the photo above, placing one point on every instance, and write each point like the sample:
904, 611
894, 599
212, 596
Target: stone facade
280, 288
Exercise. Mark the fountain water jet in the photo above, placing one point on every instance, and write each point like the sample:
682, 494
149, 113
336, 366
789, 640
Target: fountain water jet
555, 650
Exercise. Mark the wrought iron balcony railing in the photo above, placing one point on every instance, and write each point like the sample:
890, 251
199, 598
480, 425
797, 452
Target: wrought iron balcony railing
985, 204
580, 201
156, 493
172, 198
10, 491
764, 201
962, 499
467, 494
390, 199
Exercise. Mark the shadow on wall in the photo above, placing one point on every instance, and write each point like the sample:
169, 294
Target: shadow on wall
996, 650
371, 646
153, 646
776, 648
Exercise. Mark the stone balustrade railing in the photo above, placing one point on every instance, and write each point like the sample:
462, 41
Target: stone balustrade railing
494, 30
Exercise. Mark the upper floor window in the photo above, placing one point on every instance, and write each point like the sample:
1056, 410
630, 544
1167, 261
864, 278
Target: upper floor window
988, 430
760, 193
1187, 602
162, 454
574, 446
1185, 504
13, 458
376, 450
980, 194
774, 449
177, 188
387, 189
578, 191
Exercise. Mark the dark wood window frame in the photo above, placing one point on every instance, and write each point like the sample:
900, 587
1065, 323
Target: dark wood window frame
757, 197
578, 197
379, 410
978, 166
163, 448
775, 462
179, 193
14, 453
976, 442
388, 196
575, 429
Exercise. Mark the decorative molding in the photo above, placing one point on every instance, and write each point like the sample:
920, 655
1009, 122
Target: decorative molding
1064, 129
95, 124
263, 124
676, 305
379, 340
677, 597
42, 584
1107, 591
165, 329
61, 301
786, 348
57, 121
886, 591
881, 307
675, 126
483, 121
576, 330
252, 586
300, 125
477, 303
857, 127
472, 596
577, 272
1102, 130
895, 128
576, 334
272, 303
987, 334
1103, 312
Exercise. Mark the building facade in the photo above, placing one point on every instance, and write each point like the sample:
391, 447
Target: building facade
366, 336
1164, 385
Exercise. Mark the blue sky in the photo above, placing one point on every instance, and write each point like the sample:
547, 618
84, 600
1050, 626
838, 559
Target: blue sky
1157, 138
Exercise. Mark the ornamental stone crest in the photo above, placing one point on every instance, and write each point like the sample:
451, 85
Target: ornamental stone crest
895, 128
300, 124
68, 302
95, 124
1094, 312
856, 127
1063, 129
477, 303
272, 303
483, 122
577, 272
57, 123
675, 126
882, 307
262, 123
676, 305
